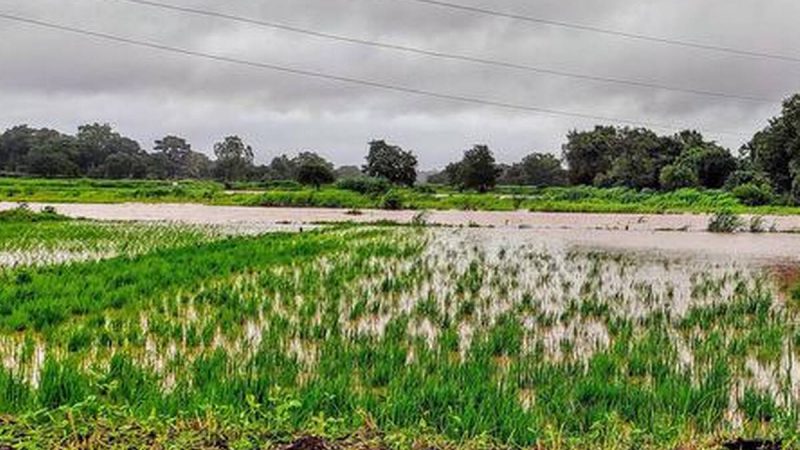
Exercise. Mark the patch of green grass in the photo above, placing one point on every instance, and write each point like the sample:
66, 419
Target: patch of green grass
410, 333
505, 198
24, 215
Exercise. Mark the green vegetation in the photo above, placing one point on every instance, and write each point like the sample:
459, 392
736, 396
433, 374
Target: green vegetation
725, 222
631, 162
23, 214
400, 335
29, 238
366, 194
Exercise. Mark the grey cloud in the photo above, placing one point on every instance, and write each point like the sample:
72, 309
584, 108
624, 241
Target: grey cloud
55, 79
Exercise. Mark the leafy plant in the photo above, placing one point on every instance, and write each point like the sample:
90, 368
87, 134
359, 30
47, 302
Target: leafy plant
725, 222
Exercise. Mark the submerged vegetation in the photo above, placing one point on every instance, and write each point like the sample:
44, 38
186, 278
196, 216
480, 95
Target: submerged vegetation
393, 335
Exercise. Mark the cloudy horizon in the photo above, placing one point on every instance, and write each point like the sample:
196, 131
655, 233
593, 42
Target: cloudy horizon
61, 80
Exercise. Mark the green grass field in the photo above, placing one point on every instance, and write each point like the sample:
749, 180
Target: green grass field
179, 337
568, 199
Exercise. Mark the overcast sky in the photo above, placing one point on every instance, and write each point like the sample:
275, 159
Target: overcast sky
59, 80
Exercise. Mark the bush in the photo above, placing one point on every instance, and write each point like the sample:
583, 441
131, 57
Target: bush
284, 185
677, 176
757, 224
724, 222
365, 185
392, 200
424, 189
795, 194
753, 194
23, 213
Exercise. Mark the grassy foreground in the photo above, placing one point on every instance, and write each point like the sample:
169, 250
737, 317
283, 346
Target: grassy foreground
391, 338
569, 199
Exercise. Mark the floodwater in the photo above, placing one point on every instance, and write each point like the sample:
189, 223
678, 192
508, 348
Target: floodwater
669, 234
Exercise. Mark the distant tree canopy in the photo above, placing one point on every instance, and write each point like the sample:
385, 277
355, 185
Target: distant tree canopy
349, 172
638, 158
391, 162
767, 170
476, 170
536, 169
775, 151
234, 159
312, 169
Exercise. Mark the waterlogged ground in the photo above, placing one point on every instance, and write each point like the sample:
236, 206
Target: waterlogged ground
561, 338
296, 217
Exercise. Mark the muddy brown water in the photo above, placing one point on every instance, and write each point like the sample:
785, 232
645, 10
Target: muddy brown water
676, 233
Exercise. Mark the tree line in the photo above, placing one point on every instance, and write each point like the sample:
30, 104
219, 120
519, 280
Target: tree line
766, 169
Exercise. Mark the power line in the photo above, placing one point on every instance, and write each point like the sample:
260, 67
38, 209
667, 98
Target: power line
344, 79
449, 56
610, 32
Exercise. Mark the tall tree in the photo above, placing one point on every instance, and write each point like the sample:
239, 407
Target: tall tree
96, 142
177, 153
391, 162
15, 143
536, 169
312, 169
282, 168
775, 150
51, 154
477, 170
589, 153
234, 159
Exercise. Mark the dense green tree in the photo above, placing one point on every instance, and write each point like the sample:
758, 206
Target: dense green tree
176, 152
234, 159
96, 142
312, 169
15, 143
477, 170
536, 169
51, 154
124, 165
282, 168
712, 164
775, 150
543, 169
677, 176
639, 155
391, 162
589, 153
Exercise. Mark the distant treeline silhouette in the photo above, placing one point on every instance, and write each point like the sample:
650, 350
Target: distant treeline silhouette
766, 169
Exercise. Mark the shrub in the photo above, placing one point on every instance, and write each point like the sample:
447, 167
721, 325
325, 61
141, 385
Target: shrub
795, 194
365, 185
724, 222
753, 194
284, 185
425, 189
420, 219
392, 200
757, 224
23, 213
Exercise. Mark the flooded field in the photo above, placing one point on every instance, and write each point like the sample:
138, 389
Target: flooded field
204, 214
523, 336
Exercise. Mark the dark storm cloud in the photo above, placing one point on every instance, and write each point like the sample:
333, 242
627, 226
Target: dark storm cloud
49, 78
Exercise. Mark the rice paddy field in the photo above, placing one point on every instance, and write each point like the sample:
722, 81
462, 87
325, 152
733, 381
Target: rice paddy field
158, 335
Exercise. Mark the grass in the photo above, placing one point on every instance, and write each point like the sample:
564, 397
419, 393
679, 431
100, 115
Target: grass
554, 199
29, 239
398, 337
